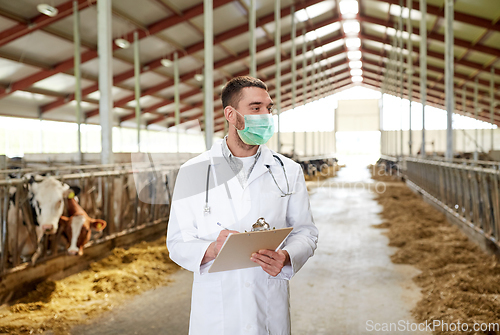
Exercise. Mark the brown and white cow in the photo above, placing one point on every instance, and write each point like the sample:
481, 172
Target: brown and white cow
46, 202
77, 228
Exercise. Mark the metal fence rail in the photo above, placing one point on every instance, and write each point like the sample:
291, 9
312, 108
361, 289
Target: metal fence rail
469, 192
126, 198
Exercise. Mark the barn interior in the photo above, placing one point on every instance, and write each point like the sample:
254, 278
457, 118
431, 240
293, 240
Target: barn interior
390, 107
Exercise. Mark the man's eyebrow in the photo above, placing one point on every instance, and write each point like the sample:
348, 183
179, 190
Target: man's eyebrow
255, 103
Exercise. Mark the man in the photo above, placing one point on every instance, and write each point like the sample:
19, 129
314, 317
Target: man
225, 190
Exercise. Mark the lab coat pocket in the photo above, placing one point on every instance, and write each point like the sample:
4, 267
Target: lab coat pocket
206, 309
278, 307
273, 209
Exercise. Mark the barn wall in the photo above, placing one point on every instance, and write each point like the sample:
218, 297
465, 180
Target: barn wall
463, 139
316, 143
357, 115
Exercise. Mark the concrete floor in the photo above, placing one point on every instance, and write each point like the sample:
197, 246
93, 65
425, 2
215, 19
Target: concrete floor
347, 286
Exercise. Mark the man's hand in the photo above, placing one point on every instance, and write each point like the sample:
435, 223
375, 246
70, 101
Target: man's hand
271, 261
214, 247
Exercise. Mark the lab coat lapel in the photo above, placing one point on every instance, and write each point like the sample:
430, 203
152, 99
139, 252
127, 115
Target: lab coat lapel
266, 158
218, 159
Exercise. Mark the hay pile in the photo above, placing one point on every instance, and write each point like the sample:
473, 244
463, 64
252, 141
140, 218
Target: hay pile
58, 305
459, 282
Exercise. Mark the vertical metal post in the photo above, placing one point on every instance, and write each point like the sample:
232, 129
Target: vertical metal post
423, 67
400, 73
304, 65
392, 85
78, 76
137, 82
492, 105
294, 53
476, 115
464, 104
104, 49
304, 83
305, 143
409, 4
448, 75
313, 142
277, 63
252, 18
313, 73
294, 66
381, 117
177, 99
208, 88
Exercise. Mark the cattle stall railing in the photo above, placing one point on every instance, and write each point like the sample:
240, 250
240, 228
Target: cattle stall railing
467, 192
128, 198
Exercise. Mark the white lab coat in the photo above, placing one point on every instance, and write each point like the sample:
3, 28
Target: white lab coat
245, 301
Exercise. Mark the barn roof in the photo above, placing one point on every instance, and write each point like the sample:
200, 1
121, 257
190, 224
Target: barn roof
37, 50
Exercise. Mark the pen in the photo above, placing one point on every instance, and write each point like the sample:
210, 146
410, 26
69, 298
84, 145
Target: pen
219, 224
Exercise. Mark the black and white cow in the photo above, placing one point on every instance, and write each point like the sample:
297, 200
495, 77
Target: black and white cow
46, 203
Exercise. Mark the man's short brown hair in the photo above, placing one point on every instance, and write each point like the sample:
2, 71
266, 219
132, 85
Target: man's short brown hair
231, 92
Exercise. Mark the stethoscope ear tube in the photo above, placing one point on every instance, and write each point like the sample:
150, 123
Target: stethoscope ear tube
206, 210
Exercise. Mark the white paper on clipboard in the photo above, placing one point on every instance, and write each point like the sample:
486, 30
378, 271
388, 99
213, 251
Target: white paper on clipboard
238, 248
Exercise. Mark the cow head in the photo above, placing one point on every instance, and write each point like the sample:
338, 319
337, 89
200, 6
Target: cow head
77, 231
47, 200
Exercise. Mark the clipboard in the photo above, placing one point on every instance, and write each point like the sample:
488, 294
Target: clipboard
238, 248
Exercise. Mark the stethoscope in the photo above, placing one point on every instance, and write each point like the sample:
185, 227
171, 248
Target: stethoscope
206, 209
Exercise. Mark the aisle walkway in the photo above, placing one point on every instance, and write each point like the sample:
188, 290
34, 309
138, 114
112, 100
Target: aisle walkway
348, 282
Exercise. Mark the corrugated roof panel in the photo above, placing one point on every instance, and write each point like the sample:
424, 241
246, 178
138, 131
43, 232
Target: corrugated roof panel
11, 71
61, 82
41, 46
182, 34
146, 79
92, 67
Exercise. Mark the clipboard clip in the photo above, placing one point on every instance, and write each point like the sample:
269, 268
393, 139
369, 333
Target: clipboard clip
260, 225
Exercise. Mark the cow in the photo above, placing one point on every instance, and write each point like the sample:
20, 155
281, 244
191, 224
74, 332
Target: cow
76, 229
45, 205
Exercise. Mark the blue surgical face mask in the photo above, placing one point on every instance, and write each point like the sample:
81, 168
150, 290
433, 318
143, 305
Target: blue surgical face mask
258, 129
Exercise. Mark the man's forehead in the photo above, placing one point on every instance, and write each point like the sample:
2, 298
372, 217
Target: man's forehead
255, 94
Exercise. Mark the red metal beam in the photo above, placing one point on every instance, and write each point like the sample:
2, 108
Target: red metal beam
429, 67
245, 72
259, 68
189, 75
200, 115
40, 21
437, 100
156, 63
286, 106
435, 36
91, 54
441, 81
439, 94
434, 54
458, 16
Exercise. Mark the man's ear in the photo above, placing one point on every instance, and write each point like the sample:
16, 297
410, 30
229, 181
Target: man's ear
230, 114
